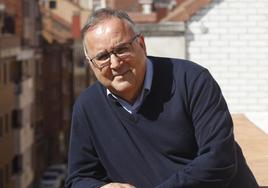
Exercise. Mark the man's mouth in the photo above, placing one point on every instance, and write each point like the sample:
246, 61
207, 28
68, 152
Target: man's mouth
121, 74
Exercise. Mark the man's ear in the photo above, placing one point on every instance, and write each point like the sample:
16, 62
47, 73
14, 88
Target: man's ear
142, 43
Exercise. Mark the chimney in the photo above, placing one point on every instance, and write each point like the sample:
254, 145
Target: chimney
103, 3
76, 25
147, 6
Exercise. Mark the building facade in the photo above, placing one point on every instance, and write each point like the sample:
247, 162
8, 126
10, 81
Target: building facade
18, 60
57, 75
8, 168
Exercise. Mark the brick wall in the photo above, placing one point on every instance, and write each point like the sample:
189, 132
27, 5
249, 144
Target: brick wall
230, 38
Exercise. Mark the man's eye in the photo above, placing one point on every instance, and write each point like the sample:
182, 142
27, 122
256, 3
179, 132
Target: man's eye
122, 49
102, 57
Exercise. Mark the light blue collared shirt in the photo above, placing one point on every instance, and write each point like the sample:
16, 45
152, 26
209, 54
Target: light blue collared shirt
145, 91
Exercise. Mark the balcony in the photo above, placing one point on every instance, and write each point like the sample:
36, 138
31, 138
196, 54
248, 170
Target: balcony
26, 54
23, 132
9, 46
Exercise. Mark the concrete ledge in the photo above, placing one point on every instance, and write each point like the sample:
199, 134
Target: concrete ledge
162, 29
254, 143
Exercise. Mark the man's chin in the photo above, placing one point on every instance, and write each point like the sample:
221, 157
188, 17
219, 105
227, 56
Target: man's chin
121, 87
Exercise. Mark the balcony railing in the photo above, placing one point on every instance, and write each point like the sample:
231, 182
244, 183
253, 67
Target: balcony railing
9, 45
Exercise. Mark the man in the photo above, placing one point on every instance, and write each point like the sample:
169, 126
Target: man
149, 121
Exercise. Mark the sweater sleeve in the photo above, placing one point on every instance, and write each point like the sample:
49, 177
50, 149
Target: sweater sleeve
215, 164
84, 167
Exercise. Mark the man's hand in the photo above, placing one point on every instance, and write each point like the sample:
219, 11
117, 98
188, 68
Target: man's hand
118, 185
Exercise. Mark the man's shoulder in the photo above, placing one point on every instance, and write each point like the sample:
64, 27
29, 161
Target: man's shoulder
90, 94
178, 65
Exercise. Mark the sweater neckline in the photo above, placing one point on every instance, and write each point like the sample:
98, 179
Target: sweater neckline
117, 108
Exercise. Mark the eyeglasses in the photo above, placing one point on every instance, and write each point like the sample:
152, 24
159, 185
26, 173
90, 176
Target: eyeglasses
121, 51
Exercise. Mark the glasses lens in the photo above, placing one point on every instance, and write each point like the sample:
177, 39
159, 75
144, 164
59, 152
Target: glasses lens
102, 59
122, 49
102, 56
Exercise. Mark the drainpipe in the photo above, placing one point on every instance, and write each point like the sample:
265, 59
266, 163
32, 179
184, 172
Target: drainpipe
76, 25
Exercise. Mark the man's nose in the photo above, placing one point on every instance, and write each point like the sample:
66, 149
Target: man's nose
115, 61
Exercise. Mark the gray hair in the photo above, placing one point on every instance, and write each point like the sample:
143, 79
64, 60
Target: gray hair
104, 14
107, 13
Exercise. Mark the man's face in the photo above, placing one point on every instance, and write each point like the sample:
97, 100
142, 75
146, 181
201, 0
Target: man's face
123, 76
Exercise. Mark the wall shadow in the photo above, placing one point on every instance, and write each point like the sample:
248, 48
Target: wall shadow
204, 11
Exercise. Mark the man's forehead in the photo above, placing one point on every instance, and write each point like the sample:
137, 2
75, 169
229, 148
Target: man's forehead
110, 25
108, 34
102, 29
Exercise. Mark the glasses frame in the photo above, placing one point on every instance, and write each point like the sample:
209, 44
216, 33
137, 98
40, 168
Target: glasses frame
110, 52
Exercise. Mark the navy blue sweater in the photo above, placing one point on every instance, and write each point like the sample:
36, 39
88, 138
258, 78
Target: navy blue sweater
181, 137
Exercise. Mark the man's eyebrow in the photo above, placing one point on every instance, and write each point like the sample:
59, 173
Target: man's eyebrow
102, 52
117, 45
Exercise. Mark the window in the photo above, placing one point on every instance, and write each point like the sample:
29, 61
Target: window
5, 73
1, 126
1, 75
7, 123
55, 68
7, 173
16, 119
9, 24
52, 4
26, 8
39, 70
1, 178
17, 164
17, 74
26, 70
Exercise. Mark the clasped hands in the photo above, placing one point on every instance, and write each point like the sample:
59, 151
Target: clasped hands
118, 185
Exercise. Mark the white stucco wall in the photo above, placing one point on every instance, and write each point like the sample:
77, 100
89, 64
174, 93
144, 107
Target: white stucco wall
164, 39
230, 38
166, 46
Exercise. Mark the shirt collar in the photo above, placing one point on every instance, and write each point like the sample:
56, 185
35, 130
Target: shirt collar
148, 76
145, 91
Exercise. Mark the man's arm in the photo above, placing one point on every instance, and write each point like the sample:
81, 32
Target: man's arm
216, 163
85, 169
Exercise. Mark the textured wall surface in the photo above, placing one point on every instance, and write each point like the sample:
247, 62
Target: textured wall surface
166, 46
230, 38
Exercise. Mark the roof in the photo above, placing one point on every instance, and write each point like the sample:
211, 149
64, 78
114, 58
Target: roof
58, 22
185, 9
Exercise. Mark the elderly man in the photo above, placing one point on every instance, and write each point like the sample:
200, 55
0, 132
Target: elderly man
149, 121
